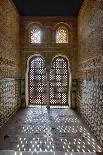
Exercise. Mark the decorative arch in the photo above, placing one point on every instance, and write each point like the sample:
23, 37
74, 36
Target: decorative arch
64, 24
35, 31
58, 75
62, 35
35, 35
47, 98
31, 24
62, 32
36, 81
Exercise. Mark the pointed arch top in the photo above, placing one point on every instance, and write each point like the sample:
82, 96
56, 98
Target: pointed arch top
61, 56
31, 58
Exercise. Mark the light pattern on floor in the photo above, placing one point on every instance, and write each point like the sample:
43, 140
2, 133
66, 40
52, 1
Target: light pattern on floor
11, 152
39, 129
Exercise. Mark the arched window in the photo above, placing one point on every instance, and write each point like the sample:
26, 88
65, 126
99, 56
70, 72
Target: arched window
37, 78
35, 35
62, 35
59, 80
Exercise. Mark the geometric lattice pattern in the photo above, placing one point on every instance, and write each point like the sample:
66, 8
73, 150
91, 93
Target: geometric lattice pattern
9, 99
35, 35
37, 81
59, 82
90, 106
37, 129
62, 35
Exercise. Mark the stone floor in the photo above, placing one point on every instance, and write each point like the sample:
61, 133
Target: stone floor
39, 129
11, 152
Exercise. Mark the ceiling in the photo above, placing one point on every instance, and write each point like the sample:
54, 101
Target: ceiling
48, 7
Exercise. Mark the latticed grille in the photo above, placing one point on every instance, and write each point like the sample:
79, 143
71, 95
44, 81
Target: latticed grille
35, 35
59, 82
62, 35
37, 82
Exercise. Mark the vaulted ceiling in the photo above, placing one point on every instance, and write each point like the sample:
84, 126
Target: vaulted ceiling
48, 7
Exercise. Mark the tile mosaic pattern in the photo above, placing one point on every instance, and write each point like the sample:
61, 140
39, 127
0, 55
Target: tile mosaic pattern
9, 99
39, 129
90, 106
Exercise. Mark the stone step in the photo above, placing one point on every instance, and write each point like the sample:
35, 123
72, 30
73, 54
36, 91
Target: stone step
11, 152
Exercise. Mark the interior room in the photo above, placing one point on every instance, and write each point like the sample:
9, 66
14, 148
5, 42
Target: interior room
51, 77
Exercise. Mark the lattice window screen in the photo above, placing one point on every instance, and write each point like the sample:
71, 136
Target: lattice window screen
59, 82
37, 82
62, 35
35, 35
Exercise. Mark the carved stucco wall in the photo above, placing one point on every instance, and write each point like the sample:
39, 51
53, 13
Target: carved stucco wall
90, 67
48, 48
9, 60
9, 40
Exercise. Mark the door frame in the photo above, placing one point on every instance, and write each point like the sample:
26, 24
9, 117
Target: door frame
27, 71
27, 76
70, 76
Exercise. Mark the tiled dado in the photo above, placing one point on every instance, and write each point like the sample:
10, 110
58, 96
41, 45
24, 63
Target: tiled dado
92, 69
9, 99
90, 106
